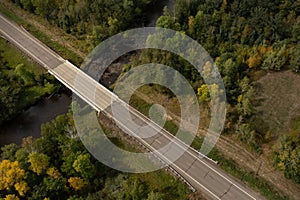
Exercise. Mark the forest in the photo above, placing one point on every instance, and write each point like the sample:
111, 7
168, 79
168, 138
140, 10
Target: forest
94, 20
57, 166
246, 38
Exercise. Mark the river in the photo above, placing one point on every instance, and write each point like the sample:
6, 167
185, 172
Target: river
156, 11
29, 122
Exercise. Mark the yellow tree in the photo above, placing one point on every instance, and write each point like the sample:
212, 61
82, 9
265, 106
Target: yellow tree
203, 93
21, 187
53, 172
11, 197
38, 162
77, 183
12, 175
255, 58
84, 166
191, 25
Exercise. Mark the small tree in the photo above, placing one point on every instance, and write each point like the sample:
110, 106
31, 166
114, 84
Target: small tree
203, 93
84, 166
38, 162
247, 135
77, 183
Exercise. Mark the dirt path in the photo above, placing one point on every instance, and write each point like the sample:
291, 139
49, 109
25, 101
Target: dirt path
231, 148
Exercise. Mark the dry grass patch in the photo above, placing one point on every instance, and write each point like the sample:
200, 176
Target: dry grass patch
277, 102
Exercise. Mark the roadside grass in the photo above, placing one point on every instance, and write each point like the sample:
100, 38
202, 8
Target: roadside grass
15, 57
61, 50
230, 166
10, 15
164, 182
45, 83
253, 181
140, 104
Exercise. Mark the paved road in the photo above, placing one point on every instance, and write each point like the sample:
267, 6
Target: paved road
29, 44
199, 172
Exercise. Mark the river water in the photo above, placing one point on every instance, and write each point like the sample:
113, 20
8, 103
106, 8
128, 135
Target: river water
29, 122
156, 11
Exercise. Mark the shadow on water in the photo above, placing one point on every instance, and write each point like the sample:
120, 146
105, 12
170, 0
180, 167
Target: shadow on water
155, 11
29, 122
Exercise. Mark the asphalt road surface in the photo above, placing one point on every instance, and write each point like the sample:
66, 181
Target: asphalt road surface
29, 44
201, 173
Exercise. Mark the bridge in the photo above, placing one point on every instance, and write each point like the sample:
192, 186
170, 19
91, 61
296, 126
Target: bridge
199, 173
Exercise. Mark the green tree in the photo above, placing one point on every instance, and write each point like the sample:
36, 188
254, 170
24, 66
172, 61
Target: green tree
287, 157
68, 160
9, 151
276, 59
27, 5
295, 59
247, 135
167, 22
155, 196
50, 188
25, 75
9, 99
22, 157
53, 136
244, 106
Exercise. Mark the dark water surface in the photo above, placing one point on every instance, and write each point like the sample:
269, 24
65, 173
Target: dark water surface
156, 11
29, 122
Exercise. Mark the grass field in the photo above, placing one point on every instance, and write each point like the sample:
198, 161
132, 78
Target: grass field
277, 102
